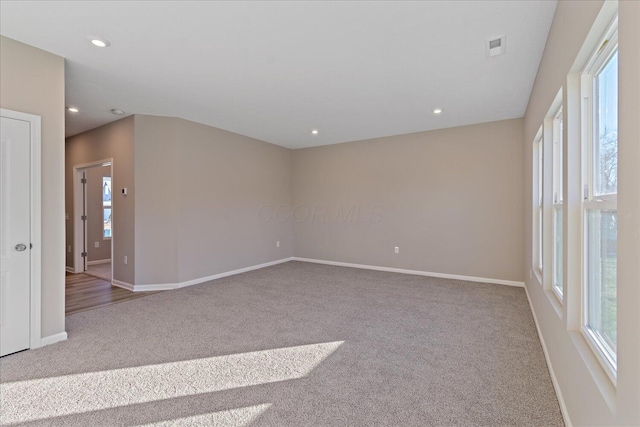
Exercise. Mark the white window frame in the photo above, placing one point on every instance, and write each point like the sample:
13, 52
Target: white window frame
538, 205
590, 202
558, 197
110, 206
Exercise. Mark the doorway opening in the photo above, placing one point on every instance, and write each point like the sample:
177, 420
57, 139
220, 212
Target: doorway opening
93, 219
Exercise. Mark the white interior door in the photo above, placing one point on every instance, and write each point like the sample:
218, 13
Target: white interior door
15, 246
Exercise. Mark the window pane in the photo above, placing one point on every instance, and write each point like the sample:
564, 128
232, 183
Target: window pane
558, 184
106, 191
557, 248
606, 144
540, 238
540, 201
107, 222
540, 172
602, 262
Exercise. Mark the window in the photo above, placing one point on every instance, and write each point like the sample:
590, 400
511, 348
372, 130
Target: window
106, 206
557, 204
537, 202
600, 152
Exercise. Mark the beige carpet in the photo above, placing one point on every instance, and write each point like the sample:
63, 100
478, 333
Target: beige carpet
101, 271
293, 345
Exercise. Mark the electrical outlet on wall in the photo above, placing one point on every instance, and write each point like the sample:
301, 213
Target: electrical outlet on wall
96, 244
69, 249
396, 250
278, 244
125, 259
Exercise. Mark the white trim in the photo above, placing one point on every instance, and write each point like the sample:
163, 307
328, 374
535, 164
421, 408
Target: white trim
35, 189
163, 286
99, 261
77, 225
124, 285
554, 379
69, 270
414, 272
169, 286
52, 339
36, 230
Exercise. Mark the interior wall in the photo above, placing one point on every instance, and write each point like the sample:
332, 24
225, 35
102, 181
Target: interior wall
449, 199
114, 140
95, 216
204, 197
629, 215
32, 81
158, 203
589, 397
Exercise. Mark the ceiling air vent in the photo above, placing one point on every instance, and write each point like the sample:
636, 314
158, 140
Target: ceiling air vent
496, 46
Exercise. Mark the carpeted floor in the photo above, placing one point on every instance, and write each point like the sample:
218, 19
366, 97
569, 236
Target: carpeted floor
296, 344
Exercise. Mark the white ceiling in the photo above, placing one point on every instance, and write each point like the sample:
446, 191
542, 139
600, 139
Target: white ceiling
276, 70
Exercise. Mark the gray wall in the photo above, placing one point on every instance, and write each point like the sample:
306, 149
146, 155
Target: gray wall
628, 391
588, 394
200, 194
95, 221
32, 81
450, 199
114, 140
158, 203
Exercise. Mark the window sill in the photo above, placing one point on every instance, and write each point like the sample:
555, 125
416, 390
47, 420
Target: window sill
553, 300
607, 365
558, 294
598, 373
538, 275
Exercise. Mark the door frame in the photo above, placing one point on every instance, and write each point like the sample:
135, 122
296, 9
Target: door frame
78, 234
35, 214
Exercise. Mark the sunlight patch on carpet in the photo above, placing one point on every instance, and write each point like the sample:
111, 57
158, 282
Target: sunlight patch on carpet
44, 398
237, 417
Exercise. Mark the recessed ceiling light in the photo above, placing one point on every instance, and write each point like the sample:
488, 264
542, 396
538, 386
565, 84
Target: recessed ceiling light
72, 109
100, 42
437, 111
315, 131
117, 112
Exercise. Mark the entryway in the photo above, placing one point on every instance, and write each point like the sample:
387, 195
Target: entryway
93, 213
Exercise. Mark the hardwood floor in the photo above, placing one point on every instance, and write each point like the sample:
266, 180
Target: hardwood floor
84, 292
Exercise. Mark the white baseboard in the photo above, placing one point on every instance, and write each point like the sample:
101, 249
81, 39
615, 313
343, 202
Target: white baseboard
168, 286
99, 261
158, 287
124, 285
52, 339
414, 272
554, 379
70, 270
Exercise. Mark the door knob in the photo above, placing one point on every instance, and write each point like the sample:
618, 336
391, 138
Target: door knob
21, 247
